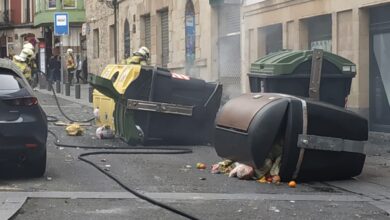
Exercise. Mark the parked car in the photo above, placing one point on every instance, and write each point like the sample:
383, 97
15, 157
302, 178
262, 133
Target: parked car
23, 123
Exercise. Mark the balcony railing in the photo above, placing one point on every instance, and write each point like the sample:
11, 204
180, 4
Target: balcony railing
4, 16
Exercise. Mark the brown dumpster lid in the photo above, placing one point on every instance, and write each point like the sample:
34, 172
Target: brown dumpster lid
238, 113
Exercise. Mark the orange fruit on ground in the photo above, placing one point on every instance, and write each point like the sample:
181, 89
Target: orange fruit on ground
292, 184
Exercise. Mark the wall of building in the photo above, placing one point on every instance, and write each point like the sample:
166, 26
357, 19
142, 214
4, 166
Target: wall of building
350, 34
133, 10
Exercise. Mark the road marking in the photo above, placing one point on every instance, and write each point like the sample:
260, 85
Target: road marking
10, 205
188, 196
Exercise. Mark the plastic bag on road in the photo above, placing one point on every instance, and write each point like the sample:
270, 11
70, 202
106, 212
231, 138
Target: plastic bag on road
104, 132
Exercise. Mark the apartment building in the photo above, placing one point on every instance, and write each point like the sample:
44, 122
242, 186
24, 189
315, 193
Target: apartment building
16, 26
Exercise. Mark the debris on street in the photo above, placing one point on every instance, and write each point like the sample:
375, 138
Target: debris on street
105, 132
201, 166
242, 171
292, 184
74, 130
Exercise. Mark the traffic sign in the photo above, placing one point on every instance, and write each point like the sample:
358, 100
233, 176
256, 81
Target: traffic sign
61, 23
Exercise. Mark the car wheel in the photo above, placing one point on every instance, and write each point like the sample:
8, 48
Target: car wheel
36, 167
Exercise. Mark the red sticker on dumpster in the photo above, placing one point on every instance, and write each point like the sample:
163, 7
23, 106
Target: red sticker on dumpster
180, 76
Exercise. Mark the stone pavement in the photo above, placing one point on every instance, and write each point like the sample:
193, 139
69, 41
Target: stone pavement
372, 186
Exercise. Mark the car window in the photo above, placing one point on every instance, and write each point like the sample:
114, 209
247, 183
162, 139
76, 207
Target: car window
10, 83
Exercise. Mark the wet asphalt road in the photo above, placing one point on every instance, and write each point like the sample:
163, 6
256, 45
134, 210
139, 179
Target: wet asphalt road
171, 181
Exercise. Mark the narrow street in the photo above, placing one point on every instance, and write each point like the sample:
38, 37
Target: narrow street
72, 189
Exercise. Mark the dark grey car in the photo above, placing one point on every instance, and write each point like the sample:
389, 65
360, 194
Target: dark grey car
23, 123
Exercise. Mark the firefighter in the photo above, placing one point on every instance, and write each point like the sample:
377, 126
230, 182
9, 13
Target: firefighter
21, 62
28, 49
141, 57
70, 65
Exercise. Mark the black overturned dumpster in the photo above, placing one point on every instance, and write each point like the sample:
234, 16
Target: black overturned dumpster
156, 106
320, 141
289, 72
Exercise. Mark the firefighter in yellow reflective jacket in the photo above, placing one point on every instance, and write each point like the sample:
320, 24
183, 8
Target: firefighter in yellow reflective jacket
29, 49
21, 62
141, 56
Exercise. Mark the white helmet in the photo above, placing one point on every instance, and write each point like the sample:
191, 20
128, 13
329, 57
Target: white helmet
144, 51
70, 50
28, 46
21, 57
30, 53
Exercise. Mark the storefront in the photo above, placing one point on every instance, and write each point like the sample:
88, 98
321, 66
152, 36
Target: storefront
380, 68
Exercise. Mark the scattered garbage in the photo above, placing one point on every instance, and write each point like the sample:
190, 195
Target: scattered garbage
105, 132
201, 166
74, 130
96, 113
68, 158
273, 208
242, 171
292, 184
268, 173
49, 178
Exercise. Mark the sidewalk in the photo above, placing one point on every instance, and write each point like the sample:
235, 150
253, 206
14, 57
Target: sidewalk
84, 94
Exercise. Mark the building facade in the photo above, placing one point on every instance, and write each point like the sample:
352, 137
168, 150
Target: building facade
16, 26
44, 19
183, 36
356, 29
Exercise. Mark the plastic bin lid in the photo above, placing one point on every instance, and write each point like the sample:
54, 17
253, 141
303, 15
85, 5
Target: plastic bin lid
104, 86
127, 75
286, 61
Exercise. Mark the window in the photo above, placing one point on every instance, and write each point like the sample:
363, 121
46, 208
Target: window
27, 12
9, 83
320, 32
96, 43
164, 38
112, 40
126, 39
190, 32
147, 41
69, 3
272, 38
52, 4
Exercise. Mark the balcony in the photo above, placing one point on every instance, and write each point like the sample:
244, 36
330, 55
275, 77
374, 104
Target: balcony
4, 17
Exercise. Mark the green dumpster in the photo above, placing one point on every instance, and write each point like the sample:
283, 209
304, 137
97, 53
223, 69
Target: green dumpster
289, 71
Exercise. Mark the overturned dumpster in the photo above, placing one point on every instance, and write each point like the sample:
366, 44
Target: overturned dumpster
319, 141
155, 106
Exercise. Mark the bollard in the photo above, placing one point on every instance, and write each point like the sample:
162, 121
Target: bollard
90, 94
77, 91
67, 89
49, 86
58, 86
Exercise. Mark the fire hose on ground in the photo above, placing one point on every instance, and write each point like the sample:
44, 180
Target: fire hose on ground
114, 151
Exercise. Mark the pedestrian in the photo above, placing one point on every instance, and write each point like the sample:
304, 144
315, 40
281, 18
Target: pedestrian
70, 65
79, 69
21, 62
54, 69
141, 57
